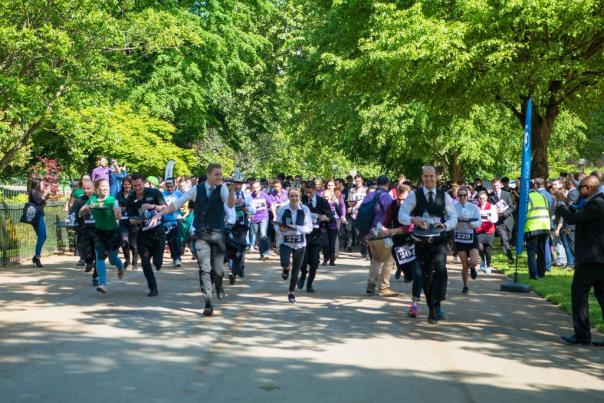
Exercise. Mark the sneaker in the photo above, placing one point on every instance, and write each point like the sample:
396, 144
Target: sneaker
387, 292
413, 310
291, 298
440, 315
465, 290
102, 289
177, 263
370, 289
152, 293
208, 310
482, 266
473, 273
488, 270
232, 279
324, 263
88, 268
285, 273
332, 263
120, 273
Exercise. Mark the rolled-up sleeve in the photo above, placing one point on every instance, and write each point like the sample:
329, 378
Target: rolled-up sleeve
190, 195
451, 221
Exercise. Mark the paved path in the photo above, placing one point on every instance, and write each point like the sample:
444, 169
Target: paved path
60, 341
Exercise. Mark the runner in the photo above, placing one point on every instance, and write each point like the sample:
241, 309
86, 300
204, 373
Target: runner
142, 206
210, 198
293, 221
243, 209
321, 216
504, 203
486, 231
106, 213
128, 231
431, 209
85, 230
403, 249
466, 240
355, 197
339, 212
259, 220
172, 224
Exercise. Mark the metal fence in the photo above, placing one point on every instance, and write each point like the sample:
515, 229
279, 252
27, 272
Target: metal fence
18, 241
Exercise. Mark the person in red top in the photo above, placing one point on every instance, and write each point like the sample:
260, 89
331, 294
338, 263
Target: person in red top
486, 231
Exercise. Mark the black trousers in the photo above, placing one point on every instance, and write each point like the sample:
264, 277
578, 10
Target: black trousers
151, 248
586, 275
329, 249
129, 233
535, 245
432, 259
312, 257
504, 235
238, 265
287, 255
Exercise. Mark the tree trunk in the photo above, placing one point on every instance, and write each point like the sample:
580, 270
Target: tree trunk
542, 129
457, 172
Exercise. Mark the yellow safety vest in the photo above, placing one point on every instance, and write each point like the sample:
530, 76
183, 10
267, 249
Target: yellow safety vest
538, 220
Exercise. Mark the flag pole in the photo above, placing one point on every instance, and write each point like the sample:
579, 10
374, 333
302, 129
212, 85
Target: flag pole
525, 176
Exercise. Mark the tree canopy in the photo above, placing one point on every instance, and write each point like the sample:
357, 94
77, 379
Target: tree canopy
303, 87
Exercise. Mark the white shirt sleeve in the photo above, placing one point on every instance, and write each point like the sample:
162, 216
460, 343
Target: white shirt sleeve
451, 221
307, 227
224, 193
190, 195
493, 216
251, 210
404, 212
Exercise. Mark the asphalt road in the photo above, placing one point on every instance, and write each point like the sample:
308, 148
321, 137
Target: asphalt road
61, 341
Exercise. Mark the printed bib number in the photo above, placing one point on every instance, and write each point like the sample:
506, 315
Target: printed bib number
315, 220
292, 237
405, 254
464, 236
259, 205
502, 205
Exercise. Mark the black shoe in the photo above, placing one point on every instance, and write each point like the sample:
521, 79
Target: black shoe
301, 281
370, 289
574, 340
533, 277
397, 275
407, 278
232, 279
432, 320
598, 343
208, 310
332, 263
291, 298
220, 292
36, 262
126, 264
157, 268
310, 289
152, 293
88, 268
473, 273
285, 274
324, 263
465, 290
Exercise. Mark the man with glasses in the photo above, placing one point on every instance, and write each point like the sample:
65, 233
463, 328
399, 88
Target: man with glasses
436, 206
589, 269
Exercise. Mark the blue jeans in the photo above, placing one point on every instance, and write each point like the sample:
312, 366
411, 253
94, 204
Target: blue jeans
568, 240
101, 268
548, 255
41, 234
258, 230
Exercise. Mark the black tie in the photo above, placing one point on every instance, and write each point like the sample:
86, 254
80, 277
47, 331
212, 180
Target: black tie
430, 198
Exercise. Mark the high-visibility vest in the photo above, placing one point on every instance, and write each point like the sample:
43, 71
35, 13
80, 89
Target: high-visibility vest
538, 220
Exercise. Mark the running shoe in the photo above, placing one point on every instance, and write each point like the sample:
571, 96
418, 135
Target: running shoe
413, 310
473, 273
208, 310
177, 263
465, 290
102, 289
120, 273
88, 268
232, 279
488, 270
152, 293
482, 266
291, 298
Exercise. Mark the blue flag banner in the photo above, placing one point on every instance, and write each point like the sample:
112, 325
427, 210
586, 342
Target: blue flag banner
525, 176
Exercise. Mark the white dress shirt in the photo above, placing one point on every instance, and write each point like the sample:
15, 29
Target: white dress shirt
404, 213
295, 230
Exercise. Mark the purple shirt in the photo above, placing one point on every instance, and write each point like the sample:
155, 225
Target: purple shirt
99, 173
380, 207
279, 198
261, 203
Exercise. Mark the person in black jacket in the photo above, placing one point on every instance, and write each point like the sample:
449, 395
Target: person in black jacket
505, 210
321, 215
589, 255
37, 196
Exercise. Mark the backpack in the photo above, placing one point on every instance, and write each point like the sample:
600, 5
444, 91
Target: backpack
366, 214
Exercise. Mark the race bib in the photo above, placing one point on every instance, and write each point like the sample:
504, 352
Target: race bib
405, 254
466, 236
147, 221
259, 205
293, 237
502, 205
315, 220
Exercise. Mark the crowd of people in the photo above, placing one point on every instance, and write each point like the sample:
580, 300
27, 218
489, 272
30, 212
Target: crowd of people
401, 227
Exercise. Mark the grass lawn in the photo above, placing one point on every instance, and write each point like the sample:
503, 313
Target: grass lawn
554, 287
